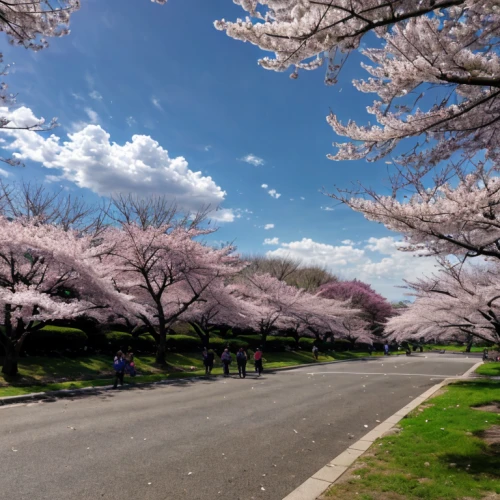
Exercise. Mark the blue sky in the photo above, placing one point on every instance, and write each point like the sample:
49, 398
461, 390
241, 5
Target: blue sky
165, 75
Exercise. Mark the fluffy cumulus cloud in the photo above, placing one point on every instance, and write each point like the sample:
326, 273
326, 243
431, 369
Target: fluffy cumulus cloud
91, 160
377, 261
264, 186
269, 226
271, 241
253, 160
273, 193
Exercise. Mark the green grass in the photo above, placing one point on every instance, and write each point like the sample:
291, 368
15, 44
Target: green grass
438, 455
41, 374
489, 369
455, 348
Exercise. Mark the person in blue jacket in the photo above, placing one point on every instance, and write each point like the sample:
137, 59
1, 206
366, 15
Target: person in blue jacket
119, 367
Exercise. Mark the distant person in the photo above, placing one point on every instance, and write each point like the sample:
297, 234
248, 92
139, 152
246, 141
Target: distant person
257, 357
370, 349
129, 363
241, 359
226, 361
386, 349
208, 360
119, 367
315, 352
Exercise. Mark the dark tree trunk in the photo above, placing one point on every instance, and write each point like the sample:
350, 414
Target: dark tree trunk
469, 346
203, 333
161, 350
10, 362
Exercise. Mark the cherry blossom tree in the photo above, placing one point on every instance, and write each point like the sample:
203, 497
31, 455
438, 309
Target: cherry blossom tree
268, 302
220, 306
166, 270
374, 308
448, 45
49, 273
458, 302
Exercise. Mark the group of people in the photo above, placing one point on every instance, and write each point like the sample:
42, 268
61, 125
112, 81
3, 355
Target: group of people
226, 359
123, 363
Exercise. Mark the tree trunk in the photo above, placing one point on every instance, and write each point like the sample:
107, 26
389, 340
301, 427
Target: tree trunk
10, 362
204, 334
161, 351
469, 346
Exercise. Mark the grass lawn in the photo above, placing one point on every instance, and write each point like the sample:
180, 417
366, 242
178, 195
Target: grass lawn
455, 348
489, 370
439, 454
37, 374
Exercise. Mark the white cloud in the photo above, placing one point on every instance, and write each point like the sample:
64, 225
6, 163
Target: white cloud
95, 95
264, 186
274, 194
93, 116
224, 215
130, 120
379, 262
91, 160
327, 209
253, 160
269, 226
271, 241
76, 96
156, 103
207, 148
302, 198
4, 173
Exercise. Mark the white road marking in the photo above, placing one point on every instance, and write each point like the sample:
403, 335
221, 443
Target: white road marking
430, 375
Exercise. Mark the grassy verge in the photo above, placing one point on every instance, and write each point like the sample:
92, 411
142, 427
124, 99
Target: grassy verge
454, 348
40, 374
439, 454
489, 369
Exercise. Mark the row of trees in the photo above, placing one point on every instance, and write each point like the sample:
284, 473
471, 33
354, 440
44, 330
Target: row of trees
435, 72
142, 263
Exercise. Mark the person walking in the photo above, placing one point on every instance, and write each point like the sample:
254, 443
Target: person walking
208, 360
119, 367
315, 351
241, 359
129, 363
258, 361
226, 361
386, 349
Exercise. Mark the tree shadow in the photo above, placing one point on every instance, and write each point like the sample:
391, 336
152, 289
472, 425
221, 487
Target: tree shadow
478, 463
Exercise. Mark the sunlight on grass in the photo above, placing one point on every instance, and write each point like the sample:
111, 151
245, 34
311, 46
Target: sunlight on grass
438, 455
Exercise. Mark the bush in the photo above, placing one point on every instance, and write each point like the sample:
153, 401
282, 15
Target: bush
278, 344
114, 341
253, 341
183, 343
306, 343
218, 344
55, 338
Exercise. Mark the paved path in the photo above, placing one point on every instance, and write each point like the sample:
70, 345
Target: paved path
222, 439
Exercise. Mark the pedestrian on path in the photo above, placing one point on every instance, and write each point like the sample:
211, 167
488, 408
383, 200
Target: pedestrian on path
208, 360
129, 363
119, 367
258, 361
241, 359
226, 361
386, 349
315, 351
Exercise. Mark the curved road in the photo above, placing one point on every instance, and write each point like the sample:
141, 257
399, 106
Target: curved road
227, 439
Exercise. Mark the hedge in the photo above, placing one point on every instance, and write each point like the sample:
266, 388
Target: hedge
55, 338
114, 341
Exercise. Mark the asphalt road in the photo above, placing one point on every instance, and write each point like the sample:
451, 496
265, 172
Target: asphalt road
227, 439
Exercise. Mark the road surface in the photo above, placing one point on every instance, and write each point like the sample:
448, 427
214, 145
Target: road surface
226, 439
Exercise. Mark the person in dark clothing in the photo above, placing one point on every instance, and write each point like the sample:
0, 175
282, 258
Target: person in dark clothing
119, 367
226, 361
241, 359
258, 361
208, 360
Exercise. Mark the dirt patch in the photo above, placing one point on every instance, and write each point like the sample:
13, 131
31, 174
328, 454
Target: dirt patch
492, 436
492, 407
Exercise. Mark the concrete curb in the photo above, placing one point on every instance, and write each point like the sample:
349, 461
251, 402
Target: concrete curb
326, 477
67, 393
